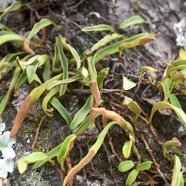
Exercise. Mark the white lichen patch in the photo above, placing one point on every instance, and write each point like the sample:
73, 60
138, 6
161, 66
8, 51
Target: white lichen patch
180, 31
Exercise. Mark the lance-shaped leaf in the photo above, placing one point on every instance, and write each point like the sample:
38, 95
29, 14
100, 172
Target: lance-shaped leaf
65, 81
31, 72
132, 177
64, 150
164, 105
7, 36
124, 166
174, 101
102, 42
120, 45
174, 142
27, 105
178, 62
134, 107
132, 21
173, 68
64, 63
7, 97
82, 113
166, 85
144, 166
73, 52
37, 27
61, 109
177, 177
92, 68
22, 79
101, 77
101, 27
51, 154
84, 125
91, 153
47, 71
4, 27
127, 84
126, 150
7, 63
136, 40
15, 6
22, 163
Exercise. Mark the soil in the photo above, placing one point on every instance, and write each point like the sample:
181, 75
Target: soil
71, 16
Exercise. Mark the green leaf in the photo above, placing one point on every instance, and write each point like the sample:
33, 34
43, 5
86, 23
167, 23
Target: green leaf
179, 62
81, 114
15, 6
102, 42
2, 26
64, 63
73, 52
132, 21
84, 125
126, 150
47, 71
22, 79
65, 147
120, 45
31, 72
174, 101
91, 153
132, 177
174, 68
101, 27
128, 84
164, 105
166, 85
37, 27
124, 166
177, 177
136, 40
92, 68
174, 142
144, 166
7, 97
101, 77
51, 154
61, 109
22, 163
133, 106
7, 36
65, 81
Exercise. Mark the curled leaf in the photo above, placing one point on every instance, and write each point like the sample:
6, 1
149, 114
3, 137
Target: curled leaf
164, 105
132, 21
22, 163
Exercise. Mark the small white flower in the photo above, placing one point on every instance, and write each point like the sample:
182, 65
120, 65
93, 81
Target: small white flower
7, 163
2, 127
8, 153
5, 140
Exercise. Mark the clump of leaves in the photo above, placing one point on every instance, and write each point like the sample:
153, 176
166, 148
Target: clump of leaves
54, 82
